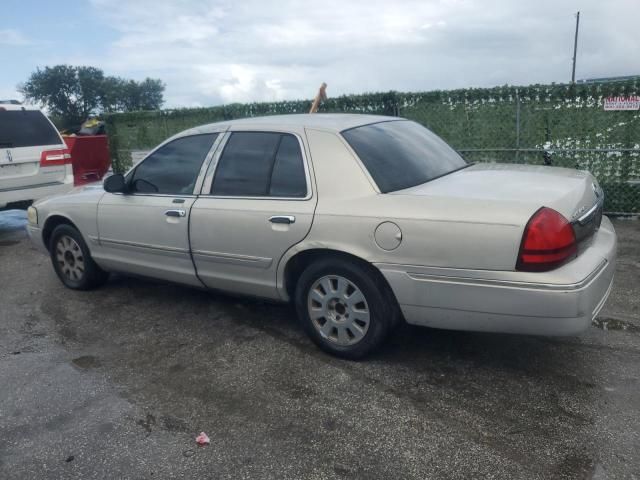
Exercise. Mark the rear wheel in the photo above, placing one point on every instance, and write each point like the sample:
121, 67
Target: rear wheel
344, 307
72, 260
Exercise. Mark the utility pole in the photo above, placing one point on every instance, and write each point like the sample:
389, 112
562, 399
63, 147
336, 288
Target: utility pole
575, 49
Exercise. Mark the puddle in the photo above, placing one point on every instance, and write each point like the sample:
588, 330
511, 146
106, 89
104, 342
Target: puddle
13, 219
12, 227
86, 362
605, 323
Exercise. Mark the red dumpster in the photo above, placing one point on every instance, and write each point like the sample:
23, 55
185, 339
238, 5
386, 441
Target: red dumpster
89, 156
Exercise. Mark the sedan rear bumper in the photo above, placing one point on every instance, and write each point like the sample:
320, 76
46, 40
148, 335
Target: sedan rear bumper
562, 302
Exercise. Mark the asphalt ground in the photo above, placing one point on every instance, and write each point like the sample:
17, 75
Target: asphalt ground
117, 383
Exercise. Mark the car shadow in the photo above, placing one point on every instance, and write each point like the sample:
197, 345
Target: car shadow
166, 342
408, 346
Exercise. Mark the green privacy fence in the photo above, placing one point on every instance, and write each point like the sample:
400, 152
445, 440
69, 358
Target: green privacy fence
563, 125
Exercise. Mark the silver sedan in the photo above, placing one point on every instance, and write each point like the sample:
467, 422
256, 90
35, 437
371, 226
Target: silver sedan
362, 221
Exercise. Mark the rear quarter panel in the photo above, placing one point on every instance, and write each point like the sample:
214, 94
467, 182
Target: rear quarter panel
436, 231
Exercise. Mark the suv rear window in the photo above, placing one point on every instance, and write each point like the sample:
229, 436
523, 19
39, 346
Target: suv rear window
26, 128
402, 154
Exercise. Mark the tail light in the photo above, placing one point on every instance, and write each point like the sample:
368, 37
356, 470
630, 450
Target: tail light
51, 158
547, 243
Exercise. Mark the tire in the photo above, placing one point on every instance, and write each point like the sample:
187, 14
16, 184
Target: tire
72, 260
338, 322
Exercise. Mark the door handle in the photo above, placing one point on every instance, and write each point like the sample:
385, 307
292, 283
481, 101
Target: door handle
283, 219
175, 213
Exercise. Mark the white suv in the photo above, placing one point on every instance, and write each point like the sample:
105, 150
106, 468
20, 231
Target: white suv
34, 160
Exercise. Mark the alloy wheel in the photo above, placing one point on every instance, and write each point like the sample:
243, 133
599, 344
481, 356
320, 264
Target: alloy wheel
338, 310
70, 258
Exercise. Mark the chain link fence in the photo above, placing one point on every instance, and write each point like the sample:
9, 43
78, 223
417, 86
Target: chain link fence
559, 125
617, 170
540, 127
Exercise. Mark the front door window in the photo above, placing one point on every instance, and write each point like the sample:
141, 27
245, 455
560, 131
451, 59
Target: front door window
173, 168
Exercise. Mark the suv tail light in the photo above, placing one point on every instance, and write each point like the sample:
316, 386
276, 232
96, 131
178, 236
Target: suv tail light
548, 242
51, 158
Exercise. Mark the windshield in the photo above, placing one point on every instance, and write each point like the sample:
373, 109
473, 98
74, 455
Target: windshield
26, 128
402, 154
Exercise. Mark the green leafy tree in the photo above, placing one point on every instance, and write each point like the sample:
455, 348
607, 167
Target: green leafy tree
111, 95
72, 94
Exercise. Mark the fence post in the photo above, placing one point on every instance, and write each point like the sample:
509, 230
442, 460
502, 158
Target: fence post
517, 126
166, 127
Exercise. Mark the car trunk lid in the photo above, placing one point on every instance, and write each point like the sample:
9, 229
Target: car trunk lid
573, 193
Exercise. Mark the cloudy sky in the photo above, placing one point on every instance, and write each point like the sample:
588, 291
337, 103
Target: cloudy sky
210, 52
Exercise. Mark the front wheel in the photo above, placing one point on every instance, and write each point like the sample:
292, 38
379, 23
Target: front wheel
72, 260
344, 307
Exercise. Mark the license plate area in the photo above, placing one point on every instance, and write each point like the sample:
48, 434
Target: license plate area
10, 170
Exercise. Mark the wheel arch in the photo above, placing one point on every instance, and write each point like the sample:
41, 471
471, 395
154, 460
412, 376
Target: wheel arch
51, 223
296, 264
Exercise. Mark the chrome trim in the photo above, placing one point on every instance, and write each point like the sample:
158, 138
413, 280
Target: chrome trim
585, 216
189, 195
175, 213
245, 260
146, 246
283, 219
603, 300
208, 182
264, 197
487, 282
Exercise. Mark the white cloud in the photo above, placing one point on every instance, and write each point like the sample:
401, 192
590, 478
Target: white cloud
239, 83
11, 37
214, 51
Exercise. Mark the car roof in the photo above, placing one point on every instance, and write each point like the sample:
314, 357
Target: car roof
13, 106
336, 122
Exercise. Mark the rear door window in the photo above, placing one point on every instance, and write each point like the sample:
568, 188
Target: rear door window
26, 128
261, 164
288, 178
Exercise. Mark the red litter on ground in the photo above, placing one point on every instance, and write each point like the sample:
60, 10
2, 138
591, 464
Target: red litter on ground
203, 439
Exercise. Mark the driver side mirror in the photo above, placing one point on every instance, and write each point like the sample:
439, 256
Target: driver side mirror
115, 183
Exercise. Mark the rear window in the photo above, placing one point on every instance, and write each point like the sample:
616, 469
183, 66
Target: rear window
26, 128
402, 154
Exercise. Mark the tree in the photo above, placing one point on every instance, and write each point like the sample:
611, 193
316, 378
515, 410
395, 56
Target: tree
120, 95
72, 94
